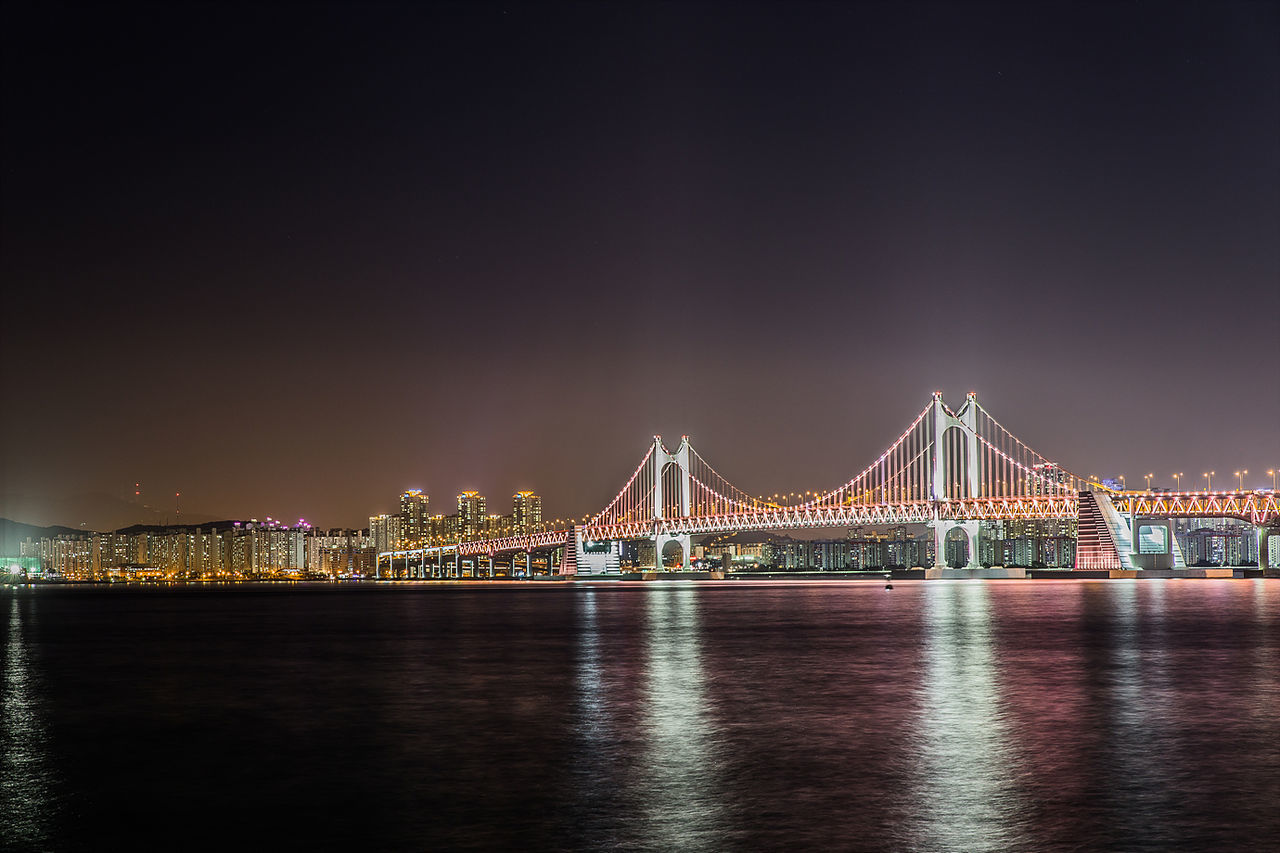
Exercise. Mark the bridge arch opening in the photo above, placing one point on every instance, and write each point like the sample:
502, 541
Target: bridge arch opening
672, 556
955, 463
956, 543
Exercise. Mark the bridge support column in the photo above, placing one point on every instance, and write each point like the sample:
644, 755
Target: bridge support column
660, 541
942, 527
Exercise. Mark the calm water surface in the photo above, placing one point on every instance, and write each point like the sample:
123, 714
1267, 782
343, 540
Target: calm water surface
943, 716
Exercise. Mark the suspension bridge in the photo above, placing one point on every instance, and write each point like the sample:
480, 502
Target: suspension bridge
950, 470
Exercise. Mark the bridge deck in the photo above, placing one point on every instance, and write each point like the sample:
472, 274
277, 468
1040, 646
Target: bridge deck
1256, 507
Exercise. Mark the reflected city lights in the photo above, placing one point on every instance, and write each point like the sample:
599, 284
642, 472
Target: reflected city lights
593, 716
682, 809
24, 778
966, 783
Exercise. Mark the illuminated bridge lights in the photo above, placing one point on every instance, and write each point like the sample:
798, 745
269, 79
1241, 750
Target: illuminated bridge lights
947, 466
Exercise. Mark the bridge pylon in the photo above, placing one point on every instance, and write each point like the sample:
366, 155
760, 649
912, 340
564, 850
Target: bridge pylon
941, 527
662, 459
966, 420
968, 468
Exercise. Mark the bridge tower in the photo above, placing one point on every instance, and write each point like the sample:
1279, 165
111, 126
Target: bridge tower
966, 420
661, 459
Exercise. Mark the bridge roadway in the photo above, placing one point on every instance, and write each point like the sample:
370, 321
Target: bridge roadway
1257, 507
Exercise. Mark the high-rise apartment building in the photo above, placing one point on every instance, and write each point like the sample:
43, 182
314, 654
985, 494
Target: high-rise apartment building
340, 553
471, 515
414, 518
526, 513
385, 532
445, 528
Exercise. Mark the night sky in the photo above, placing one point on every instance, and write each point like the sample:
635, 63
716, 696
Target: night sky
290, 260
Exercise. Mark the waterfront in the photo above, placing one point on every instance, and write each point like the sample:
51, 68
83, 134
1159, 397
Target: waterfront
965, 715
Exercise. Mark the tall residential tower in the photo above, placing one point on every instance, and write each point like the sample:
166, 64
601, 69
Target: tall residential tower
414, 518
526, 513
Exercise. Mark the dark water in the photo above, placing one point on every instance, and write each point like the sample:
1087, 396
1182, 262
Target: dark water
943, 716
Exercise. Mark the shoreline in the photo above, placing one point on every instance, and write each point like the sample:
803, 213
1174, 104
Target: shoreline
916, 574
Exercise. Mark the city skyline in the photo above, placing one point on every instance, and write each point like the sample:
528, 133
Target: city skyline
140, 512
958, 474
276, 550
295, 261
644, 425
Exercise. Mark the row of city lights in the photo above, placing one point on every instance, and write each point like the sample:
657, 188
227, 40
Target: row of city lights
785, 498
559, 526
778, 499
1207, 475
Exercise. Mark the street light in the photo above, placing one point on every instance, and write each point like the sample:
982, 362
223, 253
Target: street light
1272, 472
1240, 478
1209, 476
1124, 487
1149, 476
1177, 478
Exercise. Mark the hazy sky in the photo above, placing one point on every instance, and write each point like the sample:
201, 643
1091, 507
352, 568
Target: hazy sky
290, 260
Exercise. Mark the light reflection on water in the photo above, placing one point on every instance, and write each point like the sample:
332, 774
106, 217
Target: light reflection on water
965, 715
643, 722
25, 791
966, 773
682, 776
594, 715
1138, 732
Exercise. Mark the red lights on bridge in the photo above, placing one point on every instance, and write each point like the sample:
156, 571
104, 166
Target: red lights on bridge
987, 473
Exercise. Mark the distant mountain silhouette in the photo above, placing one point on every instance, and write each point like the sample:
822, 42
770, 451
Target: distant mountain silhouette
13, 532
189, 526
92, 511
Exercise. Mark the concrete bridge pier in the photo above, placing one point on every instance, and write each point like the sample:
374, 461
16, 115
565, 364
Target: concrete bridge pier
660, 542
941, 528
